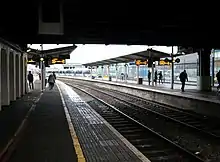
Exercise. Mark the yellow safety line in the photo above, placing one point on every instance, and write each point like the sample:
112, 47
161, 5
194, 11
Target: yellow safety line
74, 137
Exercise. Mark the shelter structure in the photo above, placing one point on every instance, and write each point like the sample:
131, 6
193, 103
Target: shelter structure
147, 57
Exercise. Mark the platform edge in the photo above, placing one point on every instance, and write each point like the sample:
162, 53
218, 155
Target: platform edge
74, 137
133, 149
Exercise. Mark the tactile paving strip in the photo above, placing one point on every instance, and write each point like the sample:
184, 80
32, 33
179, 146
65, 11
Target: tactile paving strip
98, 142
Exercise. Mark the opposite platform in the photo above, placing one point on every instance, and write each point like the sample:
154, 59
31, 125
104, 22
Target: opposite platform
200, 102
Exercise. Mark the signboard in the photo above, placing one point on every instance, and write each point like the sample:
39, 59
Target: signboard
31, 61
58, 61
162, 62
140, 62
167, 61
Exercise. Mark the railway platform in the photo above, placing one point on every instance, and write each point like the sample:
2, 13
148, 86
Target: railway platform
205, 103
63, 127
12, 119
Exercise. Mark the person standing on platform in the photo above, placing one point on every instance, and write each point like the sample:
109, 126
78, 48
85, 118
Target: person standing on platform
51, 81
183, 79
160, 77
155, 77
149, 76
218, 79
31, 80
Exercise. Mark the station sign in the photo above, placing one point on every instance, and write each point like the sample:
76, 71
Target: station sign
140, 62
58, 61
162, 62
168, 61
31, 61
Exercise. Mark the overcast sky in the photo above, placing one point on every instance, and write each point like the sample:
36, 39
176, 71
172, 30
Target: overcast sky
91, 53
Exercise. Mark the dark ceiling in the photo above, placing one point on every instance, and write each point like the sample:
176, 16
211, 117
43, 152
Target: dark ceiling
113, 23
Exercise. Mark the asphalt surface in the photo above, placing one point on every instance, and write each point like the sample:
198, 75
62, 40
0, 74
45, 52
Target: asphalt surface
47, 137
11, 116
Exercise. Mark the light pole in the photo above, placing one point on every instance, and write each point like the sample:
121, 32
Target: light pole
172, 70
42, 68
116, 68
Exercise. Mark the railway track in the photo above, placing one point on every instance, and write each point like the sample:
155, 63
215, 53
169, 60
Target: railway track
191, 138
149, 142
196, 122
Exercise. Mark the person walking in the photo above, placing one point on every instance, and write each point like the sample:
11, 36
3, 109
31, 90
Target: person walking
218, 79
51, 81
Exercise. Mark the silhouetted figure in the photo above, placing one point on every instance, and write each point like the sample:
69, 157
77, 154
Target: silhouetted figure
149, 76
183, 79
51, 81
160, 77
31, 80
218, 79
155, 77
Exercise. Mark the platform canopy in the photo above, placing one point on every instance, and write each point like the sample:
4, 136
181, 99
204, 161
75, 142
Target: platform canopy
143, 55
53, 52
51, 56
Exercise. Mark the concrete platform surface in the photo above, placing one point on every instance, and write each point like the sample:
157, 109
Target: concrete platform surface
11, 116
98, 139
47, 137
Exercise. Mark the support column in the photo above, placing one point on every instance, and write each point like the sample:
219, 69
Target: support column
152, 74
0, 77
116, 72
25, 73
12, 76
204, 78
18, 75
91, 72
102, 72
213, 68
108, 73
125, 72
5, 82
22, 75
108, 70
172, 70
96, 71
137, 68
